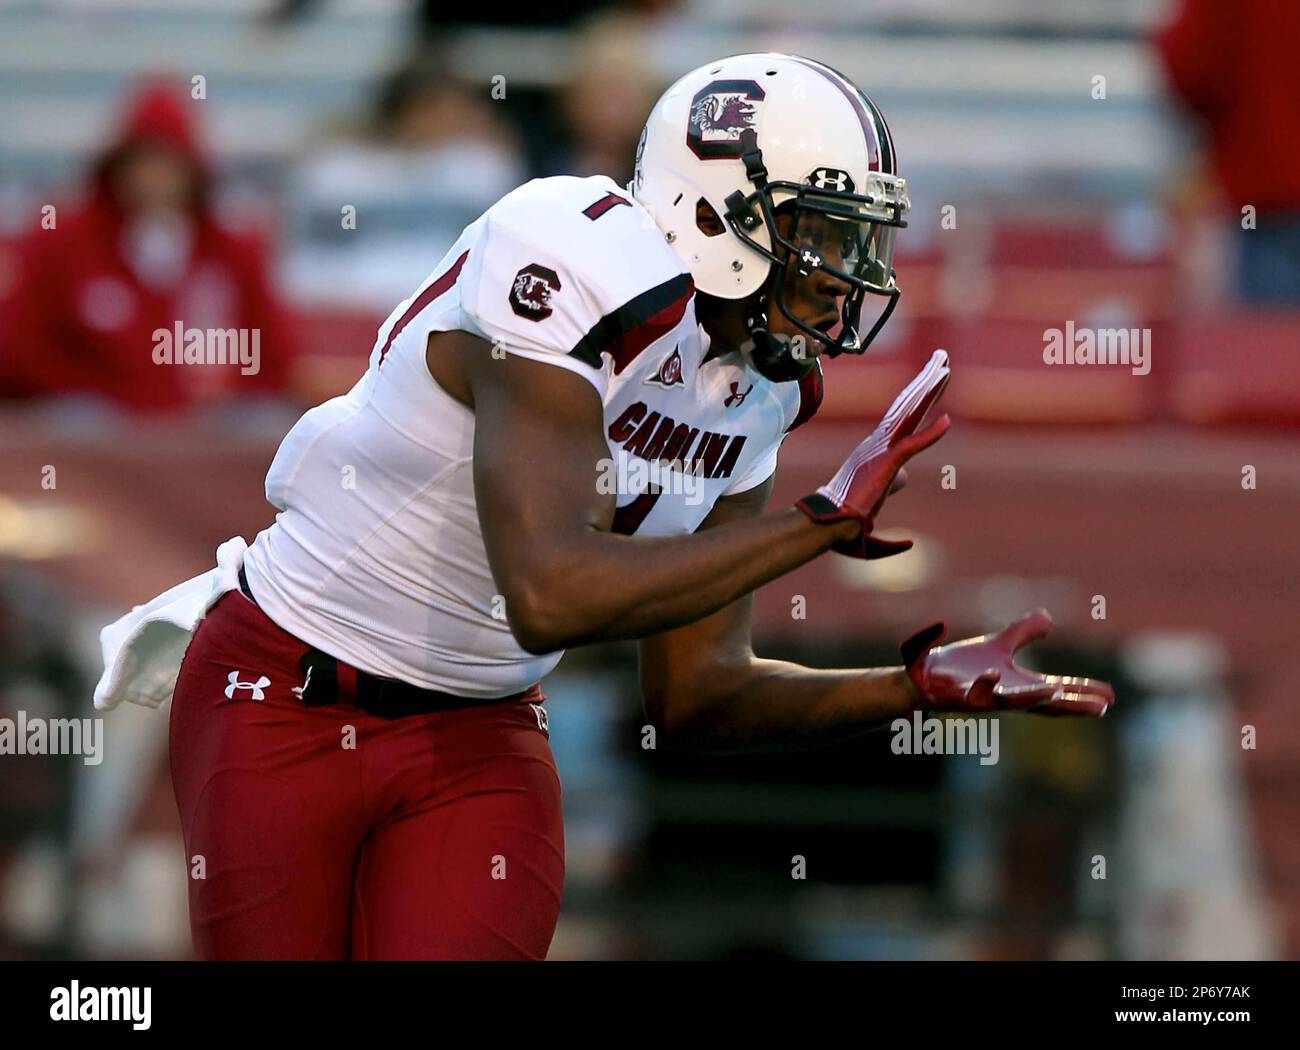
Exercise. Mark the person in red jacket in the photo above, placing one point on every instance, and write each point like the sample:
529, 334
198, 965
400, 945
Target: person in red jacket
1234, 66
104, 290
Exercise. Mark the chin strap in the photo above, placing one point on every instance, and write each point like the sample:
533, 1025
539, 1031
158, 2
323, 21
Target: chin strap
773, 355
773, 359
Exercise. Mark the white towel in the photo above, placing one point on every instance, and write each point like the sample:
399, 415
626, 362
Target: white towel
143, 650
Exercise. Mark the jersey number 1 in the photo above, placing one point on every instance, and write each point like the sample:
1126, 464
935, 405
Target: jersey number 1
628, 519
610, 200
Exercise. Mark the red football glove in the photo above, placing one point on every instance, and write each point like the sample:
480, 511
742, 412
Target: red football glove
979, 675
868, 475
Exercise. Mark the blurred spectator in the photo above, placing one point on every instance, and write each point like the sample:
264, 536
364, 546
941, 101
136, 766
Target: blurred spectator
142, 253
606, 102
433, 16
372, 216
1234, 66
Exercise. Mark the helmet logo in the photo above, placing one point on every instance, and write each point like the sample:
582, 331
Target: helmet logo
530, 294
638, 176
720, 111
831, 179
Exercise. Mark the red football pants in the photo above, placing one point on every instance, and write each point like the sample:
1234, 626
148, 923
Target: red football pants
330, 833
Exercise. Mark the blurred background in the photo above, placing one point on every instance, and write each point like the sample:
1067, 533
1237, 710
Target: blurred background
298, 167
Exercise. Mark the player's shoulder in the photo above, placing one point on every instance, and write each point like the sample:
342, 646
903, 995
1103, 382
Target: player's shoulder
572, 266
595, 231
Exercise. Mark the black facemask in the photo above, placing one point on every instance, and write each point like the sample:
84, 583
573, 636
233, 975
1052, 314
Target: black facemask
859, 227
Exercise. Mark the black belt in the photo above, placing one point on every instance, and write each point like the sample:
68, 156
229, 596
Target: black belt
328, 681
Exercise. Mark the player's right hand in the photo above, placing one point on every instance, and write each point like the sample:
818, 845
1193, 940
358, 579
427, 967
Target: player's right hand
868, 475
980, 675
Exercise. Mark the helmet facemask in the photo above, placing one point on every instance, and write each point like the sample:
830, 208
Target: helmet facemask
845, 234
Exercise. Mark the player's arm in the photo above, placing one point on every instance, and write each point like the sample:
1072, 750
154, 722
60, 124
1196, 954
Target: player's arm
704, 689
566, 579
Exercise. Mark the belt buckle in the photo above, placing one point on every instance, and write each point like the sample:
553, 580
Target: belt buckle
380, 696
320, 686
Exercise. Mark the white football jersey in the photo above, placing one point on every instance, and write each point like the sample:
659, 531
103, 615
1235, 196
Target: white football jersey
376, 556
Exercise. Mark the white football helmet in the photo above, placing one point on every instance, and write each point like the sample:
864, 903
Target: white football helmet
753, 133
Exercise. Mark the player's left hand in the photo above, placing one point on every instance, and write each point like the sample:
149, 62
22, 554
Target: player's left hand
980, 674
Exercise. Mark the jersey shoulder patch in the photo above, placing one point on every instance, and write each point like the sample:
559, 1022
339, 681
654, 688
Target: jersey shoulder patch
572, 266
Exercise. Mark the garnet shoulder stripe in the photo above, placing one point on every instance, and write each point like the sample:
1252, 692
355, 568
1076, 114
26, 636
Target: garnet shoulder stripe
422, 300
625, 332
811, 389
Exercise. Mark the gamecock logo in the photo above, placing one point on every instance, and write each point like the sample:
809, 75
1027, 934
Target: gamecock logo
530, 294
638, 174
719, 113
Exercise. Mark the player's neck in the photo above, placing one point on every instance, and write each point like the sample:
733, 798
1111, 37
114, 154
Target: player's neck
723, 324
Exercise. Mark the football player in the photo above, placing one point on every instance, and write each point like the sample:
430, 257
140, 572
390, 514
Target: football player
566, 435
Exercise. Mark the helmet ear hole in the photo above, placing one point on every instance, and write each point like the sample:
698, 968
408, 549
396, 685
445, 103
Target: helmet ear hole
707, 221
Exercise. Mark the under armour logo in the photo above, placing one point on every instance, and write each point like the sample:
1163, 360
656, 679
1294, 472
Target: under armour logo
256, 687
298, 690
809, 260
542, 722
831, 179
736, 396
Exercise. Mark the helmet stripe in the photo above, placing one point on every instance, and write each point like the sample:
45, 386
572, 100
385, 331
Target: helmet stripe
892, 168
880, 144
